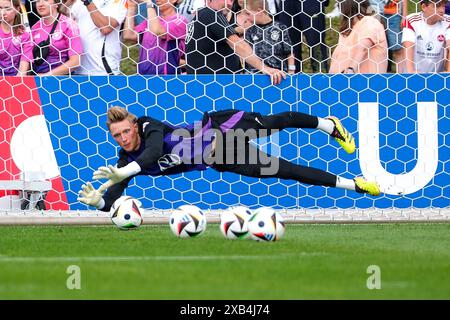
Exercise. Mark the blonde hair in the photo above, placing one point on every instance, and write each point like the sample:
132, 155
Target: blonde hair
118, 114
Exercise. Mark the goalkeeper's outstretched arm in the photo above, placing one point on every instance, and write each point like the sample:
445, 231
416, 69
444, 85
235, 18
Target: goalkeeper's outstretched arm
100, 199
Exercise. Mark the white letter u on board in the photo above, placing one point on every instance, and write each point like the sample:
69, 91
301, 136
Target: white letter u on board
427, 153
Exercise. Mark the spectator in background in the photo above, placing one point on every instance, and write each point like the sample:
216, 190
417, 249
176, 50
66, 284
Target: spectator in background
235, 9
238, 5
16, 47
447, 8
141, 14
306, 19
335, 13
274, 8
269, 39
161, 38
394, 11
212, 45
362, 45
99, 22
30, 7
238, 16
376, 8
65, 44
426, 38
188, 8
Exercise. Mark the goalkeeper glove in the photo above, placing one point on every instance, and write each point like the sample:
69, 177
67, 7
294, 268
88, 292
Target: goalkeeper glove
88, 195
116, 175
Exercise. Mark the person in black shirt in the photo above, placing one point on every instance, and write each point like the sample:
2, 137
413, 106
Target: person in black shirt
221, 141
305, 19
213, 47
32, 14
269, 38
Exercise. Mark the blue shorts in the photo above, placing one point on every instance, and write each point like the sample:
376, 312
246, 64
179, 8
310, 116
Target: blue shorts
394, 32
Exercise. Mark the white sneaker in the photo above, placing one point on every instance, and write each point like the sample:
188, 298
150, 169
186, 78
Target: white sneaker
334, 14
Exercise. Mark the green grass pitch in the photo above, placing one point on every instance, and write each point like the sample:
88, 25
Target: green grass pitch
310, 262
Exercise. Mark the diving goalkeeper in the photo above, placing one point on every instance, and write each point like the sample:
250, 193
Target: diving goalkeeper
220, 141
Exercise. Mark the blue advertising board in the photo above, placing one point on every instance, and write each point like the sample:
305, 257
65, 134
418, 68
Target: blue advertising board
401, 125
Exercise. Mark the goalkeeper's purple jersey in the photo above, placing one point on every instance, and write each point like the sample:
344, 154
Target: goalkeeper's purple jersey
183, 148
167, 149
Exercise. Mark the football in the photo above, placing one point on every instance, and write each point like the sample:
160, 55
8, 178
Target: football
187, 221
126, 213
234, 222
266, 225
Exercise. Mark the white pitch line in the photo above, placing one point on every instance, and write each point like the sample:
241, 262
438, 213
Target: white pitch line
4, 259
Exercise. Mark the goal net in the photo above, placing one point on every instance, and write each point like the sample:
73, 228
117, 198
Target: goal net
53, 137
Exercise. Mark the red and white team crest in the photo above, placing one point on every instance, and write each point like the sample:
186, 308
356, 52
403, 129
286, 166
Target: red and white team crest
441, 38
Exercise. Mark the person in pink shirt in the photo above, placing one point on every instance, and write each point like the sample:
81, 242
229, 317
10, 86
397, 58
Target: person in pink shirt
362, 45
65, 44
161, 38
15, 42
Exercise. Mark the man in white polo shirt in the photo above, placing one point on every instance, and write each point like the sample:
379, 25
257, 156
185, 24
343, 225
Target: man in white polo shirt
99, 22
426, 38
